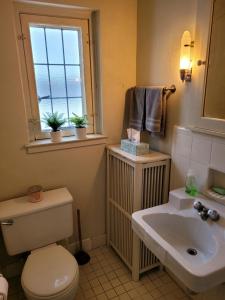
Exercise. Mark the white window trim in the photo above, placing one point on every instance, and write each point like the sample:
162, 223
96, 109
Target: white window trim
66, 11
67, 143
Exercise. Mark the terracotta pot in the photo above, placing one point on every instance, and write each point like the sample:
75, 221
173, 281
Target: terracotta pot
56, 136
80, 133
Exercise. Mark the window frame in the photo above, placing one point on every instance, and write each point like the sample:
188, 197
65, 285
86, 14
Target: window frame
65, 18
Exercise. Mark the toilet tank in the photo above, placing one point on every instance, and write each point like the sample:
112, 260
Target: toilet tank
34, 225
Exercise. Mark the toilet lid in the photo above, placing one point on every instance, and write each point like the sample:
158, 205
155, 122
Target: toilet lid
49, 271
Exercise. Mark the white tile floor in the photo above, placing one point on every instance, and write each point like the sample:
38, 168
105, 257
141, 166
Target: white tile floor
106, 277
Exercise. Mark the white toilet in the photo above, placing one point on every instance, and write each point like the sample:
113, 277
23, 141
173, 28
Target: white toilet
50, 271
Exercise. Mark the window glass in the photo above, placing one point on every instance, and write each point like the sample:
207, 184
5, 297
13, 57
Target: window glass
75, 106
73, 81
42, 81
57, 81
56, 59
61, 105
38, 45
72, 55
45, 106
54, 45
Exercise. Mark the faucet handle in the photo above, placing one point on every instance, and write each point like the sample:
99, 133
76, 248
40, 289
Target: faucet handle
203, 214
213, 215
198, 205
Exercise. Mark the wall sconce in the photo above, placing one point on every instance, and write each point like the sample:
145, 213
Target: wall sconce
185, 56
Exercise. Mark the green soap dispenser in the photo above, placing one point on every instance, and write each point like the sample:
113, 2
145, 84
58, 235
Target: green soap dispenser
190, 184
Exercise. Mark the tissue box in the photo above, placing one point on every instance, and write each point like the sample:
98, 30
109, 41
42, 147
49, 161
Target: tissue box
134, 148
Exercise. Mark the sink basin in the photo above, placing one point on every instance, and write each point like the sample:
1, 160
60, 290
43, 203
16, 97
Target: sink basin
193, 249
186, 233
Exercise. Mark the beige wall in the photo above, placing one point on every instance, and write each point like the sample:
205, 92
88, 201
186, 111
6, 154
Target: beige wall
160, 27
161, 24
82, 170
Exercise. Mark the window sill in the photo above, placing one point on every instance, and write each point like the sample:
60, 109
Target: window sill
67, 143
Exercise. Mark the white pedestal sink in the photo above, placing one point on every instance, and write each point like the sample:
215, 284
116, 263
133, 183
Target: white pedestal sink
193, 249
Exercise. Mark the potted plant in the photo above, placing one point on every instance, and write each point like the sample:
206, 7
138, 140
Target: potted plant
80, 124
55, 121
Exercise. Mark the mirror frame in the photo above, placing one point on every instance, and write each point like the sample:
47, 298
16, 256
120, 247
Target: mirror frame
198, 122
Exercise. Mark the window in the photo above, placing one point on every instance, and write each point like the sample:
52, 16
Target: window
58, 66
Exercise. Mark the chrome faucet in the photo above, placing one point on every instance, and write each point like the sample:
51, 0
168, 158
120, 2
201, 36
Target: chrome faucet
206, 213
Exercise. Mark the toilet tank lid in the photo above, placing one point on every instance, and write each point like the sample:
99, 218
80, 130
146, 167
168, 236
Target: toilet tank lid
21, 206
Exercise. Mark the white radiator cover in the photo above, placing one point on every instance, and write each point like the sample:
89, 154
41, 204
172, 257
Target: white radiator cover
133, 183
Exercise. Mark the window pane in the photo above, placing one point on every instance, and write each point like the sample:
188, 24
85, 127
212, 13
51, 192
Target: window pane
38, 45
75, 106
58, 67
44, 107
57, 79
54, 46
71, 46
60, 105
42, 83
73, 81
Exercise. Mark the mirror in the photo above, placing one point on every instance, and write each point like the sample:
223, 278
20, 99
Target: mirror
214, 97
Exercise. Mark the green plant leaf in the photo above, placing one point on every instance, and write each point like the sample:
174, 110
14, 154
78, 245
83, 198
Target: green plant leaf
54, 120
79, 122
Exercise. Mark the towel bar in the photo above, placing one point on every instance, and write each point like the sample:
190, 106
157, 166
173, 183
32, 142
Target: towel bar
172, 89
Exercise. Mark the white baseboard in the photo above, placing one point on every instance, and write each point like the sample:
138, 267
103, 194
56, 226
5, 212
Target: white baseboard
99, 241
88, 244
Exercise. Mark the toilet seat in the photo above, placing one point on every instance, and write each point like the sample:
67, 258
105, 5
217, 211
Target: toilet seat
49, 272
68, 293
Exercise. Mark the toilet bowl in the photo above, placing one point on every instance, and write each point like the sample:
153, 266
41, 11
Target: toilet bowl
50, 272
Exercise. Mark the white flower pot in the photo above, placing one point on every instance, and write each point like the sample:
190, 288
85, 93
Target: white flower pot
56, 136
80, 133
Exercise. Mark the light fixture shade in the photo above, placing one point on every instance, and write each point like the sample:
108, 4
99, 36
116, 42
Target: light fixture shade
185, 56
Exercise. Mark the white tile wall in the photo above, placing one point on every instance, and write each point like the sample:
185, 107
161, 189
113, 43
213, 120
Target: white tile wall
180, 166
201, 149
201, 171
199, 152
218, 156
183, 143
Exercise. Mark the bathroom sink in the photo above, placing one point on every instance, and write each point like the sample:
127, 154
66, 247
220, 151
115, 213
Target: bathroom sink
186, 233
189, 247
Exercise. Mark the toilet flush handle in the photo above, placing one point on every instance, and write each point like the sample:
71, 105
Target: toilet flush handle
7, 222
